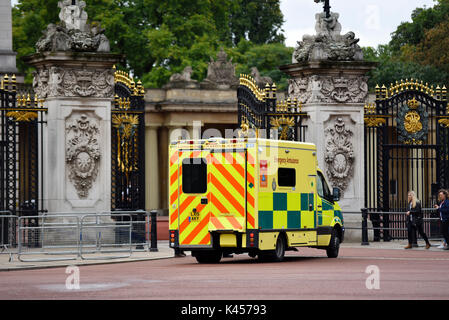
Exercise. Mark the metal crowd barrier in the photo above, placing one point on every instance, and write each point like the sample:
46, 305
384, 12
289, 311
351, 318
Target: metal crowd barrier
366, 214
98, 235
48, 238
90, 236
8, 233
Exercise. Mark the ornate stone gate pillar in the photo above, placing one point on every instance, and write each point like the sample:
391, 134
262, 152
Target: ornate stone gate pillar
74, 73
328, 76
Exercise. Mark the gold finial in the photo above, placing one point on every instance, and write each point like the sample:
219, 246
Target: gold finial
438, 92
6, 81
13, 82
18, 100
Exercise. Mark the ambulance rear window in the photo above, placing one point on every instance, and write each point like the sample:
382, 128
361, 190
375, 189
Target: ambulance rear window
194, 175
286, 177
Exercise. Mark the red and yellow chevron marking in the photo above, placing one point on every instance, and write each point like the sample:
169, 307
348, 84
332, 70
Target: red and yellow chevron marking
173, 188
226, 196
226, 223
251, 189
227, 188
192, 232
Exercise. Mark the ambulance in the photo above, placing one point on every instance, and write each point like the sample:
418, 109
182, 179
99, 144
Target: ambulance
250, 196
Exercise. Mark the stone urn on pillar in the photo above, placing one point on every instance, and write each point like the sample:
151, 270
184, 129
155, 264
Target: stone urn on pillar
328, 75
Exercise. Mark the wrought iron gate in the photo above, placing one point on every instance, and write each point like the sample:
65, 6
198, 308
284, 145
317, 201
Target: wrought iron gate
259, 110
22, 116
406, 148
128, 144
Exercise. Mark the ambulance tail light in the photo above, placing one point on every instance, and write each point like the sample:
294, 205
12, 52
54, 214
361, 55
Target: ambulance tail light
172, 238
251, 239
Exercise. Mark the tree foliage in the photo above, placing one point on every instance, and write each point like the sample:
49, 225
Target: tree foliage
160, 38
391, 69
418, 49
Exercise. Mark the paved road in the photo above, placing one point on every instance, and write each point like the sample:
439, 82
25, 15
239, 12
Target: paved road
307, 274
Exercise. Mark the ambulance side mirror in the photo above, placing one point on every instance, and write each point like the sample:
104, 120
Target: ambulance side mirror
336, 194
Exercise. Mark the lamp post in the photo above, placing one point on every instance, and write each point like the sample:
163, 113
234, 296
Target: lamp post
327, 7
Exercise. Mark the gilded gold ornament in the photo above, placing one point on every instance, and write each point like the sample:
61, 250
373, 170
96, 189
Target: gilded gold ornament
412, 122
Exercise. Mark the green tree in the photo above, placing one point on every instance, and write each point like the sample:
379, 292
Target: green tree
259, 21
391, 69
423, 19
266, 57
417, 49
159, 38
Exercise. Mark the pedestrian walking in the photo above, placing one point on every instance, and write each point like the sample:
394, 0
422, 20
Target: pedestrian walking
443, 244
443, 209
415, 221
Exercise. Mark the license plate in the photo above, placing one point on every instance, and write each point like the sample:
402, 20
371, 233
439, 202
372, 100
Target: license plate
194, 217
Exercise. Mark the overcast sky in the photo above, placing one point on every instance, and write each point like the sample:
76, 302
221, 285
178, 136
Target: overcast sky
373, 21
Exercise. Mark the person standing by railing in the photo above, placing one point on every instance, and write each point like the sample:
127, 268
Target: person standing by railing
443, 209
415, 221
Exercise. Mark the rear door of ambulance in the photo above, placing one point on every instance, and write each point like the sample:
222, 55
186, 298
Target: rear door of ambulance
212, 194
232, 188
193, 196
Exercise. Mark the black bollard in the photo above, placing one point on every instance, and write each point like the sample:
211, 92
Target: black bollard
365, 241
153, 215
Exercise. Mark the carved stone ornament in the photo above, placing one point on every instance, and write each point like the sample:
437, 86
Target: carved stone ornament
221, 71
182, 80
74, 82
339, 154
328, 89
73, 33
82, 153
328, 43
260, 80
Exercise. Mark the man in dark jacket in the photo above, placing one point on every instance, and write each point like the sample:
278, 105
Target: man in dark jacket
443, 209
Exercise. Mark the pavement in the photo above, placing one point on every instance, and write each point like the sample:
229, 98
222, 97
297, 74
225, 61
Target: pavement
378, 272
11, 262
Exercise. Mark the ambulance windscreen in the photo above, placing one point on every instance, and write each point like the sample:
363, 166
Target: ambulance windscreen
194, 176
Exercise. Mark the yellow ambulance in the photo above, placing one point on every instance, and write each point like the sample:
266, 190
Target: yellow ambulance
256, 196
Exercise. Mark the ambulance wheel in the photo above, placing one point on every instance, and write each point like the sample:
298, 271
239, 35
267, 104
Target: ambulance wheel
208, 256
334, 246
278, 254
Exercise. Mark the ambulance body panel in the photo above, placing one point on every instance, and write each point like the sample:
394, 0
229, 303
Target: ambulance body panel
241, 195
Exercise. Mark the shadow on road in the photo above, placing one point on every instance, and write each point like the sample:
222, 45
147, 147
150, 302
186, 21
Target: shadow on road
287, 259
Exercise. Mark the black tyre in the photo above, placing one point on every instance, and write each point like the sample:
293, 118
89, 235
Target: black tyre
334, 246
276, 255
208, 256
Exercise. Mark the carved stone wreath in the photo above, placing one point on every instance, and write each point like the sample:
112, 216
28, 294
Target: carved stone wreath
74, 82
339, 154
82, 153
